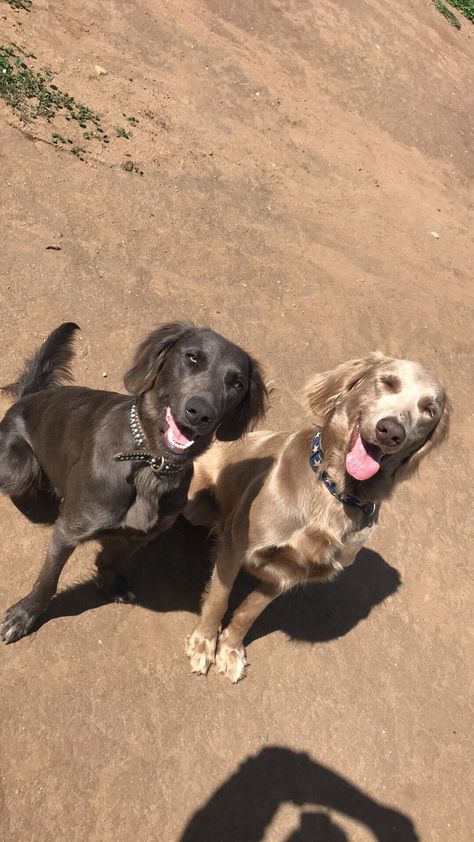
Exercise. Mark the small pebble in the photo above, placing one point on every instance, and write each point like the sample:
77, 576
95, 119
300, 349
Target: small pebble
435, 235
104, 374
128, 166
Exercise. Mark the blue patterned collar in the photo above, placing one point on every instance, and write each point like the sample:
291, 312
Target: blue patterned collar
315, 461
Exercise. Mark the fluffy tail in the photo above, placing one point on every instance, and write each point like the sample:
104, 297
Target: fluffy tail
50, 365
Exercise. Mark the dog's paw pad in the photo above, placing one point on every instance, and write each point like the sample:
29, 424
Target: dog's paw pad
201, 652
119, 591
231, 661
17, 623
126, 596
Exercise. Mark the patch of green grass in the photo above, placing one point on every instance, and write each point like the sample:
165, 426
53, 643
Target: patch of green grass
466, 7
31, 94
21, 4
447, 13
120, 132
58, 138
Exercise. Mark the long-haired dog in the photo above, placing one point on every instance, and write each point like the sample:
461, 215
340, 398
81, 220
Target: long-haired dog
119, 465
297, 507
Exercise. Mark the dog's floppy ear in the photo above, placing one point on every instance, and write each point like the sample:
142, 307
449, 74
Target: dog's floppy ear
150, 356
324, 390
250, 410
437, 436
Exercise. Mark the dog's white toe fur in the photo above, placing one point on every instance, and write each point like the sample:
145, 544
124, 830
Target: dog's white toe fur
231, 661
201, 652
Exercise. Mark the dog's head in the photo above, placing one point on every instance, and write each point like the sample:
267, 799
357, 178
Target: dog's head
194, 384
387, 413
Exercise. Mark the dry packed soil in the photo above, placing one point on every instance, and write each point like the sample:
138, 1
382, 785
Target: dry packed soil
298, 158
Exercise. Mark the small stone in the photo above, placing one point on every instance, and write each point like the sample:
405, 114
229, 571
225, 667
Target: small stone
104, 374
100, 71
435, 235
128, 166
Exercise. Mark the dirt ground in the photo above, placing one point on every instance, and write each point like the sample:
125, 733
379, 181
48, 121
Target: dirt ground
297, 159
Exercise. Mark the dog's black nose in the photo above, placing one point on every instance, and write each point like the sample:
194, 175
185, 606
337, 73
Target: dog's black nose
390, 432
199, 412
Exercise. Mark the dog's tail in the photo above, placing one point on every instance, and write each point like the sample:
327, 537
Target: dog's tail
50, 365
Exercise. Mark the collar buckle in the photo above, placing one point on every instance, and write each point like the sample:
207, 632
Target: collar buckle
158, 464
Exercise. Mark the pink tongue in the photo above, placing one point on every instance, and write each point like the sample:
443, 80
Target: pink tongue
359, 463
178, 436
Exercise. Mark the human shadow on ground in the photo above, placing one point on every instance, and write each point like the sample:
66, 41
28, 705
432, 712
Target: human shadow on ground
244, 806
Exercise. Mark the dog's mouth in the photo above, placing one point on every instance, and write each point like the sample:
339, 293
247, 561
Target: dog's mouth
363, 458
178, 439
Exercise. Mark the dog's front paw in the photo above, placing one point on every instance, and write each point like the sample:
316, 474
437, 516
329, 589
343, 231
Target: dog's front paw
231, 660
17, 623
201, 652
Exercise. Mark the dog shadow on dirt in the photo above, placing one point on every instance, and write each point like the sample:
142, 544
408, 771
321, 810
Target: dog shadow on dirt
243, 807
171, 573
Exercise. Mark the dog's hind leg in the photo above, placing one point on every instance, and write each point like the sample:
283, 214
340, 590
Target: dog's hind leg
21, 617
19, 468
22, 478
115, 551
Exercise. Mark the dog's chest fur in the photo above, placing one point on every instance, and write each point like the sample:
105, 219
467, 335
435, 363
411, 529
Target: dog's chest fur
157, 497
312, 537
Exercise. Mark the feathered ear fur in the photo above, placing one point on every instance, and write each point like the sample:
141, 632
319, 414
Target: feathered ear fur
250, 410
436, 437
324, 390
150, 356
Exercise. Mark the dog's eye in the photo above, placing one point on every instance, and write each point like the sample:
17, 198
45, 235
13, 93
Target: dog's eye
192, 358
429, 410
391, 383
237, 384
